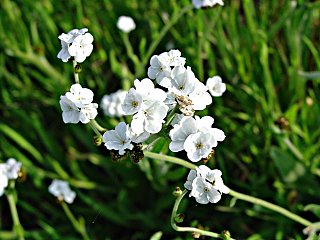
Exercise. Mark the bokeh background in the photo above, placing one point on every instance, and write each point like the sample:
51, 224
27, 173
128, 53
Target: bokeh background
267, 52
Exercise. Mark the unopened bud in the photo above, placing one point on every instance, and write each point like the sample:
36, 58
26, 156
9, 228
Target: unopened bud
195, 235
179, 218
77, 68
97, 140
177, 192
226, 235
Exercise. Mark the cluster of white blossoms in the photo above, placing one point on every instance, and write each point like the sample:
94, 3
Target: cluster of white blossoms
196, 136
62, 191
126, 24
8, 171
206, 185
77, 44
206, 3
77, 105
112, 104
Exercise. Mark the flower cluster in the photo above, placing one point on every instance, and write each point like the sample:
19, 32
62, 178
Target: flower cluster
206, 185
76, 44
8, 171
62, 191
206, 3
196, 136
112, 104
77, 105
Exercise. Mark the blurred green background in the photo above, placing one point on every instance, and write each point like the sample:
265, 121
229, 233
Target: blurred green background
268, 54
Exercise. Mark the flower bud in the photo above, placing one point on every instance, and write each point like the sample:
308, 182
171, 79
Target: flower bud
177, 192
226, 235
77, 68
97, 140
195, 235
179, 218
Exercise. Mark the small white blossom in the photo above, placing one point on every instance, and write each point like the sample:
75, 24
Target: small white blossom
126, 24
204, 192
12, 168
183, 81
200, 97
81, 47
216, 86
150, 118
118, 139
3, 178
62, 191
80, 96
206, 185
139, 138
174, 58
112, 104
70, 112
132, 102
206, 3
160, 70
146, 89
199, 145
88, 112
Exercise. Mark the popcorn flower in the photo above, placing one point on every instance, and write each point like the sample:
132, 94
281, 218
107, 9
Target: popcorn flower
76, 43
216, 86
206, 185
8, 171
126, 24
62, 191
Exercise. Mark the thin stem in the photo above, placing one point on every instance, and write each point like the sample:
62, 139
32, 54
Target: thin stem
17, 227
233, 193
8, 235
169, 159
98, 126
270, 206
76, 224
163, 32
94, 128
190, 229
75, 73
171, 116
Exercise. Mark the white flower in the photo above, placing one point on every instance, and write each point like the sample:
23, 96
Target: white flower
70, 112
88, 112
132, 102
174, 58
199, 145
180, 132
80, 96
206, 185
183, 81
3, 178
126, 24
216, 86
150, 118
206, 3
62, 191
204, 192
191, 176
146, 89
160, 70
81, 47
67, 40
112, 104
200, 97
12, 168
138, 138
118, 139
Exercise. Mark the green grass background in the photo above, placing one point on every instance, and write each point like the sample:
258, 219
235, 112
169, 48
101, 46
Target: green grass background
268, 54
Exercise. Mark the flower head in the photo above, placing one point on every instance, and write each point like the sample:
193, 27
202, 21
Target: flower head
12, 168
216, 86
126, 24
118, 139
62, 191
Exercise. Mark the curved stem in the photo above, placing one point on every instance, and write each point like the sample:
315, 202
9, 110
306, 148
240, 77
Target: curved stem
233, 193
191, 229
17, 227
98, 126
163, 32
169, 159
76, 224
270, 206
94, 128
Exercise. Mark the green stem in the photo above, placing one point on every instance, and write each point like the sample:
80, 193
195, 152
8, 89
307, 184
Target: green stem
95, 129
130, 52
98, 126
190, 229
171, 116
76, 75
233, 193
17, 227
270, 206
163, 32
8, 235
169, 159
76, 224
